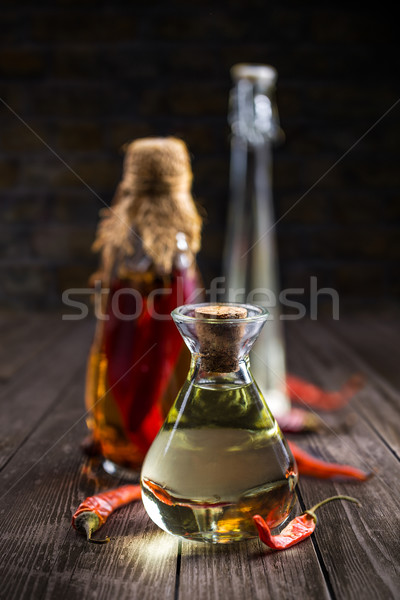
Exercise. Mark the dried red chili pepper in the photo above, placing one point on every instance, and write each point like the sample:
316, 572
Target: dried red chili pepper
162, 495
298, 529
305, 392
298, 420
94, 511
314, 467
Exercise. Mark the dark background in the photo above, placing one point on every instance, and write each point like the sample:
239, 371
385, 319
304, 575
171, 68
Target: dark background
88, 76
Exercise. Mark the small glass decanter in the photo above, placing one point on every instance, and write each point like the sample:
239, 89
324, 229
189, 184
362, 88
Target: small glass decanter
220, 457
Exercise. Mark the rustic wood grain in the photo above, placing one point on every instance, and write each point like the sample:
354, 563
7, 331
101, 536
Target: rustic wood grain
249, 570
373, 345
359, 548
378, 402
353, 554
139, 562
24, 336
27, 398
42, 556
374, 340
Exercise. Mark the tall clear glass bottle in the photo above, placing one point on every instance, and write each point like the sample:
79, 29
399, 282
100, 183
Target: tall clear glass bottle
250, 254
220, 457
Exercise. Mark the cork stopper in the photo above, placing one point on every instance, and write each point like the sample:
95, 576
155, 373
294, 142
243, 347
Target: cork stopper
221, 312
220, 343
157, 165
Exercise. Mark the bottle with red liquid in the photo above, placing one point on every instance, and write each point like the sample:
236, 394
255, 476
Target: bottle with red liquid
148, 241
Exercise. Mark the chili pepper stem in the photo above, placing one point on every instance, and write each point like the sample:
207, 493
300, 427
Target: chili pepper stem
88, 530
312, 510
86, 523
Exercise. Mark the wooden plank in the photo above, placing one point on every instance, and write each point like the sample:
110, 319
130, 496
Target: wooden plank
378, 401
24, 337
7, 317
27, 399
249, 570
376, 341
352, 555
9, 321
41, 555
359, 548
12, 327
139, 561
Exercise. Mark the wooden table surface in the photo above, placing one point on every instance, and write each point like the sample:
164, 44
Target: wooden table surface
44, 477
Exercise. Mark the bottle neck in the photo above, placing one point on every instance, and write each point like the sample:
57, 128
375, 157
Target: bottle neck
253, 113
198, 376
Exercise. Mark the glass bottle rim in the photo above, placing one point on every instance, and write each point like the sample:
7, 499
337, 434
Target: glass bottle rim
261, 313
254, 72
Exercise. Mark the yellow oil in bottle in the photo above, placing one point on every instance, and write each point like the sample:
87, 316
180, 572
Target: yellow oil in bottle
218, 460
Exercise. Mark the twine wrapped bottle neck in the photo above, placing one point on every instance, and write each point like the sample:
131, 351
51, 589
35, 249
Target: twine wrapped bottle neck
153, 203
141, 185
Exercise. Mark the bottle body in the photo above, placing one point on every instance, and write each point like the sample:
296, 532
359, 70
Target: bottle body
126, 396
148, 241
219, 459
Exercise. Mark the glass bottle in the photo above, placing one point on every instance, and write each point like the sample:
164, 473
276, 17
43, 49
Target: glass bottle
220, 457
138, 361
250, 254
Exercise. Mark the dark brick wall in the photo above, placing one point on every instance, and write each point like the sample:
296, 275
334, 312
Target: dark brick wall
87, 76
